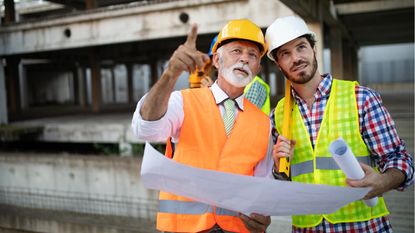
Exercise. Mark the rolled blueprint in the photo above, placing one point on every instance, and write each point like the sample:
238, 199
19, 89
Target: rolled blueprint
346, 160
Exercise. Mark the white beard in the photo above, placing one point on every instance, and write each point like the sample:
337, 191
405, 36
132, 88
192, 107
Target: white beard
237, 80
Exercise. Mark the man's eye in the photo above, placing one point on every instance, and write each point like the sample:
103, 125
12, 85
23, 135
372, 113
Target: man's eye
253, 55
283, 54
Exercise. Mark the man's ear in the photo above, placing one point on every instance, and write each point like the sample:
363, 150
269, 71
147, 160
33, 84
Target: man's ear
215, 60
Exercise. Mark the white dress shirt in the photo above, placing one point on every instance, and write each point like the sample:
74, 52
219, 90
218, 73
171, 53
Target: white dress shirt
170, 124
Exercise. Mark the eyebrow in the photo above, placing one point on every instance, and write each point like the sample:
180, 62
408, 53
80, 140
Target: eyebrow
256, 49
296, 45
301, 43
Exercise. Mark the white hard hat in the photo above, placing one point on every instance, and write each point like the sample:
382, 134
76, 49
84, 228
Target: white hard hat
283, 30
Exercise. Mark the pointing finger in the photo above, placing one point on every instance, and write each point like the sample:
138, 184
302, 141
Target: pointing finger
191, 37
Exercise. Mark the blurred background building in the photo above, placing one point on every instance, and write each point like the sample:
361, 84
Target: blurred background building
72, 71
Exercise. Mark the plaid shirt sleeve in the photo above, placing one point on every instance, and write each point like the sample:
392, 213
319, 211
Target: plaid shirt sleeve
257, 94
379, 133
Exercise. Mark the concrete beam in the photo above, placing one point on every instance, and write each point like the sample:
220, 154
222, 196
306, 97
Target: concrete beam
122, 24
372, 6
320, 11
308, 10
36, 7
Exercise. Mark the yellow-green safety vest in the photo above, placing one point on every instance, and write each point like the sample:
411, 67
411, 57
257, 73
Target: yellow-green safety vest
266, 108
316, 166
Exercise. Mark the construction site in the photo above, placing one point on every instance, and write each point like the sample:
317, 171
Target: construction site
72, 72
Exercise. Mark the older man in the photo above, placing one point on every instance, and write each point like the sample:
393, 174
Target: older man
213, 128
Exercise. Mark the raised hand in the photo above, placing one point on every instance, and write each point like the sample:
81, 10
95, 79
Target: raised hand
187, 57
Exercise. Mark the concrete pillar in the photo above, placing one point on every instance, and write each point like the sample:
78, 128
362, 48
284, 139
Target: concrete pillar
350, 62
154, 75
90, 4
265, 71
355, 63
336, 53
9, 11
113, 85
24, 98
79, 94
317, 28
13, 86
3, 97
125, 148
130, 87
80, 85
96, 83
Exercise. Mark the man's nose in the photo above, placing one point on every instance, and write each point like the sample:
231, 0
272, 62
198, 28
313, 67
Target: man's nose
295, 57
244, 58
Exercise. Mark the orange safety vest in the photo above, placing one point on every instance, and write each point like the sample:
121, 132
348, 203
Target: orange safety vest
203, 143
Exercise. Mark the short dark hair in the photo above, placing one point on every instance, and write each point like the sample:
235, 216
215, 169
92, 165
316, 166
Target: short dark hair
310, 38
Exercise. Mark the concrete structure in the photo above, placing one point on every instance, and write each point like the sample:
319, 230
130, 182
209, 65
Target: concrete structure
92, 57
83, 49
69, 60
75, 69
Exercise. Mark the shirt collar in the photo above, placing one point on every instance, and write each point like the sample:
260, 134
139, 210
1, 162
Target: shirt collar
323, 89
325, 85
221, 96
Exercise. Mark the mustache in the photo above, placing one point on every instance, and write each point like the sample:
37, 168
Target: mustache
298, 63
243, 67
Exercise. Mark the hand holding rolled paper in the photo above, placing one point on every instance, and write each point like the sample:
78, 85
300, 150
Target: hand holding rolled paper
346, 160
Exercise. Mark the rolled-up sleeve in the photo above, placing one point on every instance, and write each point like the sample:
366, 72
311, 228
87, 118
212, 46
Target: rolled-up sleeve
380, 135
167, 126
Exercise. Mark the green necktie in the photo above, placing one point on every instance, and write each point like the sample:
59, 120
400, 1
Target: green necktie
229, 117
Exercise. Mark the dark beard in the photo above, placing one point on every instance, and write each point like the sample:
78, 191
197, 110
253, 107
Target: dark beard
303, 76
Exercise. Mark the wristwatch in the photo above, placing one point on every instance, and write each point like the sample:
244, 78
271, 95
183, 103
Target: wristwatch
279, 175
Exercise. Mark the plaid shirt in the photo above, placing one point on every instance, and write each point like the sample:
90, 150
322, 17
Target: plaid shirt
378, 132
257, 94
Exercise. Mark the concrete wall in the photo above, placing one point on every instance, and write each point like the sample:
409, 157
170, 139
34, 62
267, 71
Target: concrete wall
85, 184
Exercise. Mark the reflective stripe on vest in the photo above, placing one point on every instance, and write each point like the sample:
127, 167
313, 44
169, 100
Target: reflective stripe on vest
322, 163
183, 207
191, 207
